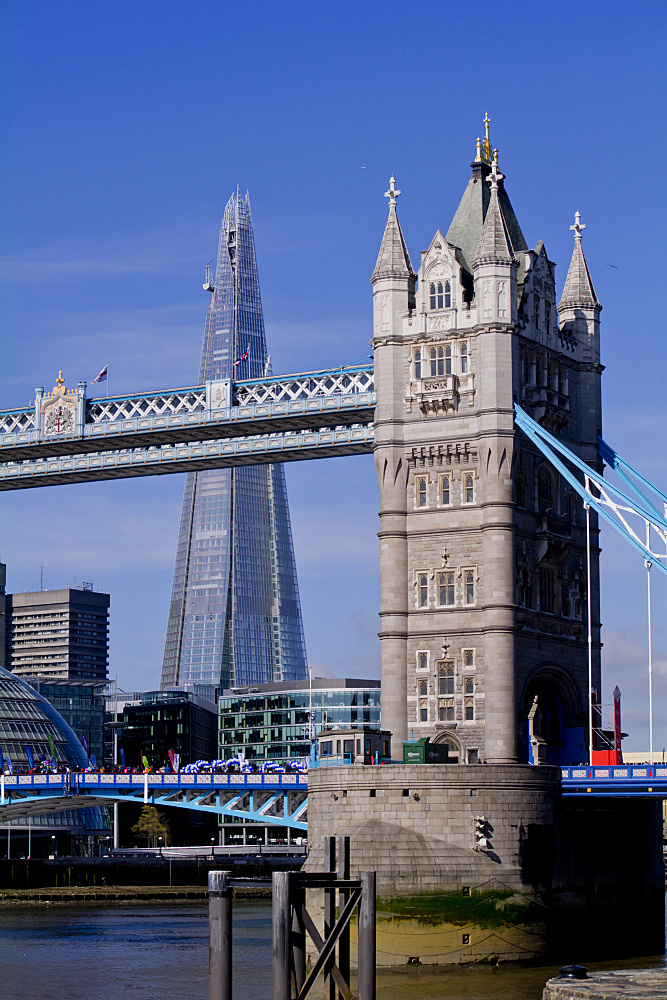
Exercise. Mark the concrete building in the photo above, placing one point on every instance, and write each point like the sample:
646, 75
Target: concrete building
58, 634
275, 721
483, 547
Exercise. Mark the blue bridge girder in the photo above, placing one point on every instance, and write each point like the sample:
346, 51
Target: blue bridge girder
308, 415
616, 780
269, 799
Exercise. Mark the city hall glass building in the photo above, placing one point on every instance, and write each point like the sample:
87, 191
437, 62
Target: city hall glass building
235, 615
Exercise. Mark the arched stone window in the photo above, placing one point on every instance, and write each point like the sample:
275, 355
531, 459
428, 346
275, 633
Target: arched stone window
545, 490
448, 295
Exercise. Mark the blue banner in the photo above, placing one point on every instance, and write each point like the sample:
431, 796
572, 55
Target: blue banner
31, 757
92, 760
85, 746
10, 766
122, 757
2, 763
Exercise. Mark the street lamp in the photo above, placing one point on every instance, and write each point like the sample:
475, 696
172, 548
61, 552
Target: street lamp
160, 842
53, 844
213, 848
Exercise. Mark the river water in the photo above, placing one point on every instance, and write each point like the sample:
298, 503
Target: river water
160, 952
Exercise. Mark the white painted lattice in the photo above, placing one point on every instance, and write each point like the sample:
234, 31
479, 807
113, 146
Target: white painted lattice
164, 404
343, 382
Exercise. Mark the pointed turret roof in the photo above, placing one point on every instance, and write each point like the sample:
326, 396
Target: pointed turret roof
494, 243
578, 290
393, 259
466, 226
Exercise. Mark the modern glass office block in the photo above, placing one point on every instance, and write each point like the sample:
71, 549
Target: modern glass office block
235, 614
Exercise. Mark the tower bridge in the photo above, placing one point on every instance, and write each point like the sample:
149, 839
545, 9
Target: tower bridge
483, 412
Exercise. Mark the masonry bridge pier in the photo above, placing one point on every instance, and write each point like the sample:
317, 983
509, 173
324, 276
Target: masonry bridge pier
483, 411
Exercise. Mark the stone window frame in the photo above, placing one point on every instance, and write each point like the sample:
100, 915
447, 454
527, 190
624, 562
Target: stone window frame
419, 479
464, 356
422, 687
473, 652
468, 709
419, 593
469, 685
466, 581
433, 359
446, 710
445, 477
426, 656
440, 294
450, 584
422, 710
446, 671
465, 487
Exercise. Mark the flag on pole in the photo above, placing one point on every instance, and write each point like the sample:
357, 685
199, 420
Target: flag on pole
85, 746
244, 357
121, 753
103, 375
52, 748
31, 758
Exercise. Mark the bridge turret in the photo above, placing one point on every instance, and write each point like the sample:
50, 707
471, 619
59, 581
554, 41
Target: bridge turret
579, 308
393, 283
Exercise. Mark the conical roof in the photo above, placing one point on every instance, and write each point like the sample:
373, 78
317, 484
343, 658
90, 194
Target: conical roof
393, 259
494, 242
466, 227
578, 290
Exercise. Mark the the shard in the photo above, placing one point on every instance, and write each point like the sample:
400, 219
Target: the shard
235, 615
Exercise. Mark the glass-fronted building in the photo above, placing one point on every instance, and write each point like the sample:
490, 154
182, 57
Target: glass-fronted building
28, 720
276, 721
81, 705
160, 721
235, 614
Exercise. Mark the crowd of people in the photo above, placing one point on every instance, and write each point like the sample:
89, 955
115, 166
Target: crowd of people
236, 765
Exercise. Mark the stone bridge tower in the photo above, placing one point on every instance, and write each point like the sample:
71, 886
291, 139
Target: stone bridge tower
483, 547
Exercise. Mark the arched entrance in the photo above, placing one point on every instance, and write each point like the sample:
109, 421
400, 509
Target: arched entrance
449, 740
551, 723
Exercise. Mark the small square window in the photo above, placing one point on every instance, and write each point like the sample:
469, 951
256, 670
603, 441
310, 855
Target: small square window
468, 685
422, 661
423, 715
468, 657
423, 689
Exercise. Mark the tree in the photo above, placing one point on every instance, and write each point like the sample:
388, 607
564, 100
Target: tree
150, 826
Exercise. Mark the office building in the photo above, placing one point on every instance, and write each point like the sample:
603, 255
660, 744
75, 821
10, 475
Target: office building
235, 614
81, 705
276, 721
156, 722
58, 634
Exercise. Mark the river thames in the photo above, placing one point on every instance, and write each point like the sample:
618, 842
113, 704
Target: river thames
160, 952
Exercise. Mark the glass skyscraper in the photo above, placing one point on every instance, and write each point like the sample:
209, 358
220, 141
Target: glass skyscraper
235, 614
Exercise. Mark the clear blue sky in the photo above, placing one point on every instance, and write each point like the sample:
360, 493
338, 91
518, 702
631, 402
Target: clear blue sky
127, 126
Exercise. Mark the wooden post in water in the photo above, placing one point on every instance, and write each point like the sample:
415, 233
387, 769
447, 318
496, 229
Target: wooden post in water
282, 978
367, 937
219, 936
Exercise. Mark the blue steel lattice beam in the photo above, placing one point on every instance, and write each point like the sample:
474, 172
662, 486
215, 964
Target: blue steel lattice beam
607, 500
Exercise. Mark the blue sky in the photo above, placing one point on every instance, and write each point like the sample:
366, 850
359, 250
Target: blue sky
126, 128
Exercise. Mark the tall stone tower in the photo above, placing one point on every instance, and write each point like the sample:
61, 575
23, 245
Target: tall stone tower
483, 547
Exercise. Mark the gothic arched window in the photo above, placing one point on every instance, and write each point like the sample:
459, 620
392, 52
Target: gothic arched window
545, 490
418, 364
448, 295
432, 296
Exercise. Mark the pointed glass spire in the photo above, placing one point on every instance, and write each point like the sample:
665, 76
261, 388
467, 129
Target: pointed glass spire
235, 614
393, 259
578, 290
494, 244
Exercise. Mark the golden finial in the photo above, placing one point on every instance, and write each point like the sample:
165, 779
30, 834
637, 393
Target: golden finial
478, 157
495, 156
486, 145
60, 383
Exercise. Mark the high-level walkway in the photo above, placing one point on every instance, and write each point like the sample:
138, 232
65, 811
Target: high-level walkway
291, 417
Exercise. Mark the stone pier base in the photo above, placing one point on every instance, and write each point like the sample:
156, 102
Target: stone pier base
569, 879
